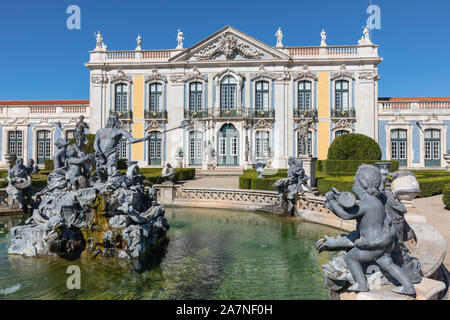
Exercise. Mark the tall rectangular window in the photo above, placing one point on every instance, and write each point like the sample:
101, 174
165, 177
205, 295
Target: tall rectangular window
262, 96
228, 93
195, 96
15, 143
155, 97
121, 97
341, 95
304, 95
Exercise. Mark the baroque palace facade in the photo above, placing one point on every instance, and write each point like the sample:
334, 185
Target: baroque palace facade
249, 99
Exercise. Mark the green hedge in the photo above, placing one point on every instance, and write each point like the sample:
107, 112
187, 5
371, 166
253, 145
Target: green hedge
429, 186
250, 180
49, 165
354, 146
446, 195
351, 165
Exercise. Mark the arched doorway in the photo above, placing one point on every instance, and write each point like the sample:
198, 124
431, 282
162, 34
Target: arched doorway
228, 146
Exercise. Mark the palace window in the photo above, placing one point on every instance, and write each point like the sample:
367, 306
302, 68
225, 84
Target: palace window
195, 148
399, 146
15, 143
123, 148
340, 133
228, 93
195, 96
304, 95
43, 146
262, 143
341, 95
432, 147
262, 95
155, 96
121, 100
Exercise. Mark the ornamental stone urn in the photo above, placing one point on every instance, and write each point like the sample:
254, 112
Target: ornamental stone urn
259, 166
405, 188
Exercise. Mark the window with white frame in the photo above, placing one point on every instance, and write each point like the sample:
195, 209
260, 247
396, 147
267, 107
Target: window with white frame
195, 96
399, 146
228, 89
222, 146
121, 97
341, 95
262, 143
123, 148
304, 96
432, 147
262, 95
15, 143
155, 96
340, 133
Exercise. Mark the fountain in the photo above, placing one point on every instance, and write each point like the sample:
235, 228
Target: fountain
105, 214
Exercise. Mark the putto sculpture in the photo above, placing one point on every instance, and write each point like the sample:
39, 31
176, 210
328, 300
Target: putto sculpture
86, 214
19, 184
378, 243
289, 188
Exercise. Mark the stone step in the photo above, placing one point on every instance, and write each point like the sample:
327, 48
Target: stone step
218, 172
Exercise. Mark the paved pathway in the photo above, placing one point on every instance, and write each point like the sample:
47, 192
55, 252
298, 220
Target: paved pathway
438, 216
213, 182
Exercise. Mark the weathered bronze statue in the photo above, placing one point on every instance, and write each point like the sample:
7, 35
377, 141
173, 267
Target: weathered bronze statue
373, 242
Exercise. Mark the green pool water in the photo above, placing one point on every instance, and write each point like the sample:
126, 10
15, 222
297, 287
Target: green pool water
211, 254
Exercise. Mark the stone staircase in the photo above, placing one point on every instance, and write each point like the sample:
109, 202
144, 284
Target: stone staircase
219, 172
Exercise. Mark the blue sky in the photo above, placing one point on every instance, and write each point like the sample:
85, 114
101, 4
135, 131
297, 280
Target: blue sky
42, 59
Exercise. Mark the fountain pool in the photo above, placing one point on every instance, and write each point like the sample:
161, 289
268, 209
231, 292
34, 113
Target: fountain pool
211, 254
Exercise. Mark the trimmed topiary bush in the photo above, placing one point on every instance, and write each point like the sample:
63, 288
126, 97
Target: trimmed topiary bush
49, 164
446, 195
354, 146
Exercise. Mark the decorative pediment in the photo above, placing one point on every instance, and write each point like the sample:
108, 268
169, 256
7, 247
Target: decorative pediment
187, 77
15, 122
155, 125
343, 124
99, 79
432, 120
120, 77
229, 44
239, 76
342, 74
305, 74
368, 76
262, 124
155, 76
263, 74
400, 120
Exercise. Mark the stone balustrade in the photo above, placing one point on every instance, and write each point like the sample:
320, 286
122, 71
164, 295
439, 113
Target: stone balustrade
414, 106
40, 110
294, 52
